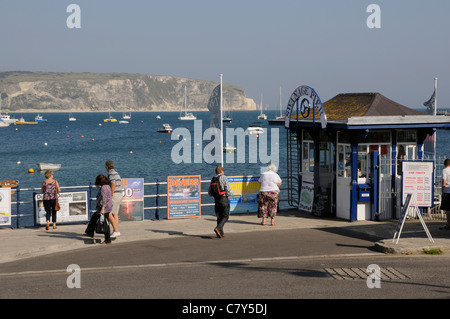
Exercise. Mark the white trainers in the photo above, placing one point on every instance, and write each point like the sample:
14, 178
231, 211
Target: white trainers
115, 234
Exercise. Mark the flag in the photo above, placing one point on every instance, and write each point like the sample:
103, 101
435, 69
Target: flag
214, 108
430, 103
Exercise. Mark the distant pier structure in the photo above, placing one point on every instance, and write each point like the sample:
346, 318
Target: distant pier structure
344, 155
443, 112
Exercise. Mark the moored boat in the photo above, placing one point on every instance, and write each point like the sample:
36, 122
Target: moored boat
48, 166
255, 128
22, 121
166, 128
40, 118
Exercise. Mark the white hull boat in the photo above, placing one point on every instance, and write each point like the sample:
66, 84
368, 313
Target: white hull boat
48, 166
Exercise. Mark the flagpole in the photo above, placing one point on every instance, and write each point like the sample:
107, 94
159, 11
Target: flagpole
221, 123
435, 132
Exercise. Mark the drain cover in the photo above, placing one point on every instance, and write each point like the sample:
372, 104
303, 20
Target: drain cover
388, 273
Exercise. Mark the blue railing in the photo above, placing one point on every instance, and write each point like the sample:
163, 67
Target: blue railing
156, 198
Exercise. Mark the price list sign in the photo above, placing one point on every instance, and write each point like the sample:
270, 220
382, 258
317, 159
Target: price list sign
417, 179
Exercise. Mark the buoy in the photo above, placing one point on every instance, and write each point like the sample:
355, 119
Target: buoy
18, 162
82, 135
131, 152
93, 139
45, 144
30, 170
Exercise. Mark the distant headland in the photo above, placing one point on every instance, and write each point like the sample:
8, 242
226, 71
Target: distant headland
23, 91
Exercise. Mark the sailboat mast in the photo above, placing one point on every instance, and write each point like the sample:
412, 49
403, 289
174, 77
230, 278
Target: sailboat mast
261, 103
280, 102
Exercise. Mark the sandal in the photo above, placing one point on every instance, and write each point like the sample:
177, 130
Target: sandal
272, 223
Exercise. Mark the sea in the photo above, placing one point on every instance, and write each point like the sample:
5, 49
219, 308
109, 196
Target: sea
137, 149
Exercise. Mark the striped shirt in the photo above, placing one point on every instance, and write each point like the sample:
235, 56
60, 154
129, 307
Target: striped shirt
113, 176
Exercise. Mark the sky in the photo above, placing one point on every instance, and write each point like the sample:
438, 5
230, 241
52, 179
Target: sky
259, 45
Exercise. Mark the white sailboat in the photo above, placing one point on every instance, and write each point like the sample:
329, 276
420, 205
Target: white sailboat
72, 118
262, 116
279, 120
186, 116
126, 116
227, 118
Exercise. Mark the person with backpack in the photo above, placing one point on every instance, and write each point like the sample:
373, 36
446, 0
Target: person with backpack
220, 190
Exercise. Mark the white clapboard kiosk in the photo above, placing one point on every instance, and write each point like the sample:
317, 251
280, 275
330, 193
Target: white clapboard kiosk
410, 201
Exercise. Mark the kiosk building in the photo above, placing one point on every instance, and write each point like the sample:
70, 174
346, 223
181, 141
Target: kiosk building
345, 155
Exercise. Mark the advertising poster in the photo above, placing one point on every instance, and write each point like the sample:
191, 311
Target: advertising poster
132, 206
5, 206
417, 179
183, 196
244, 193
306, 197
74, 208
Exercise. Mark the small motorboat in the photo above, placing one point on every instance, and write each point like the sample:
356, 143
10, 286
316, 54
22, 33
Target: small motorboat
166, 128
22, 121
49, 166
229, 149
40, 118
255, 128
7, 118
227, 119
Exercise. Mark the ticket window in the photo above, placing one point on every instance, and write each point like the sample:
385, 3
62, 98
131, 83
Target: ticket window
405, 152
344, 160
326, 157
364, 164
406, 147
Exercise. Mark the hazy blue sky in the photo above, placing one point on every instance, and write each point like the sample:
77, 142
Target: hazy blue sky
259, 45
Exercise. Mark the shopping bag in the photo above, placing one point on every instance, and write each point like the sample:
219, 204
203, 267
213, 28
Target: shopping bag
102, 226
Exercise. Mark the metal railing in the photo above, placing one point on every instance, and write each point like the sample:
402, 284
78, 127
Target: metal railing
155, 196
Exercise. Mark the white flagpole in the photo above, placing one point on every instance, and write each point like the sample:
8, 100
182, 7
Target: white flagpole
435, 132
221, 124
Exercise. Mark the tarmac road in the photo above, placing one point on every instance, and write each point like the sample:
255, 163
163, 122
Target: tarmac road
280, 264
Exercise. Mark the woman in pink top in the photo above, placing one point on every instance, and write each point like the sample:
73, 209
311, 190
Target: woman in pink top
50, 189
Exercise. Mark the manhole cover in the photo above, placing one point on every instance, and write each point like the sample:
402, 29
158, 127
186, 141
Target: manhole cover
387, 273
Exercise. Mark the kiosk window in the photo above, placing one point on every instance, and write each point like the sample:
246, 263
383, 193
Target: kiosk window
344, 160
308, 156
364, 164
407, 136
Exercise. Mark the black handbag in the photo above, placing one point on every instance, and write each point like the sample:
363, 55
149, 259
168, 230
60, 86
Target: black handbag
102, 226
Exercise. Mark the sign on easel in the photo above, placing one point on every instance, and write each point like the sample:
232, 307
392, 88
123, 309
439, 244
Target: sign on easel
404, 215
417, 179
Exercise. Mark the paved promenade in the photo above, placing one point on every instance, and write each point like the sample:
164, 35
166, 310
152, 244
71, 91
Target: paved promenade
35, 241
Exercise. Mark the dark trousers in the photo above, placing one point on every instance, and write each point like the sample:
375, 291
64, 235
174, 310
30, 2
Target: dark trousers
90, 229
222, 209
49, 206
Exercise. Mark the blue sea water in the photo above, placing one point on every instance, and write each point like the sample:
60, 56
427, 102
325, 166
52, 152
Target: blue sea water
138, 151
83, 146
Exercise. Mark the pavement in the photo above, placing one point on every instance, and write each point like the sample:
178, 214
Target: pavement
36, 241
